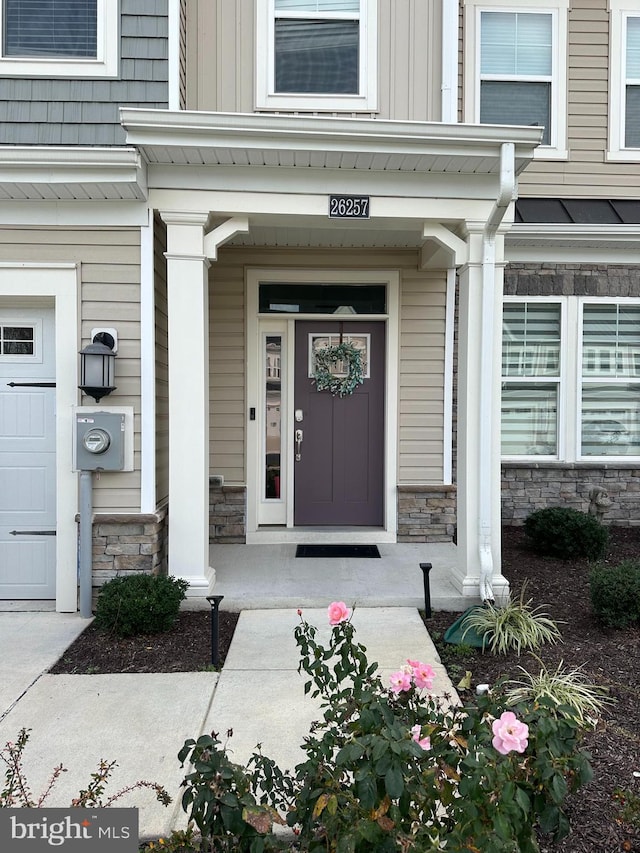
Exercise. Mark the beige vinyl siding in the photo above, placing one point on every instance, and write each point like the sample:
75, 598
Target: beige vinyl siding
227, 373
109, 263
423, 299
221, 59
162, 362
421, 383
586, 174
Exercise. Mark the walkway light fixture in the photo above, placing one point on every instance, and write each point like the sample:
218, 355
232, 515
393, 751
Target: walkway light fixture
97, 366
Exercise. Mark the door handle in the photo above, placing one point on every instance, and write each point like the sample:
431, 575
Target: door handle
298, 439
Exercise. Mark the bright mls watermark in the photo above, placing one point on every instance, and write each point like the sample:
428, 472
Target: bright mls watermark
73, 830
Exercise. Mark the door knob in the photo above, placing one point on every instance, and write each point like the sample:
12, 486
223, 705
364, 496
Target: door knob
298, 439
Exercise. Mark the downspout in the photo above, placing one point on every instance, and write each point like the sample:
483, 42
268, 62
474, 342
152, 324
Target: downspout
449, 65
506, 194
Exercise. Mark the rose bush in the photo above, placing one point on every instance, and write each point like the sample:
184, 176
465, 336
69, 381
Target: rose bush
392, 767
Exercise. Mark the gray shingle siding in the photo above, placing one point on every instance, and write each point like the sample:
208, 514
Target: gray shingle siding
60, 111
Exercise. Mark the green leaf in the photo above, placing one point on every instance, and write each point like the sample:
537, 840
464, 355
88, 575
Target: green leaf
394, 781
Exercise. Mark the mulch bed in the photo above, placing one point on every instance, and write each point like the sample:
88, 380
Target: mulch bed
610, 658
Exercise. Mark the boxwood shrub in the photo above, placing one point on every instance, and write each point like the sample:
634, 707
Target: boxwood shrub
615, 594
566, 533
139, 604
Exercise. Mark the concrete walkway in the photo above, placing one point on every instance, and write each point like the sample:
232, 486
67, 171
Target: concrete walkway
141, 721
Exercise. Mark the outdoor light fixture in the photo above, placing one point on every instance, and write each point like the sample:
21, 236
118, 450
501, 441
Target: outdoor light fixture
97, 366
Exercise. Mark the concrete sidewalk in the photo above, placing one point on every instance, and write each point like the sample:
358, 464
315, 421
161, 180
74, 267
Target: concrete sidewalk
141, 721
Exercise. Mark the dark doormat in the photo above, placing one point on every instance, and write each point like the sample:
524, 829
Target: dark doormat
337, 551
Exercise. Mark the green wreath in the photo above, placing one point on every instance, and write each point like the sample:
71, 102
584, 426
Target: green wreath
326, 357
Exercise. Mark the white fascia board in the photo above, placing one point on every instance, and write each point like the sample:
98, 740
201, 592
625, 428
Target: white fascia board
72, 166
164, 128
74, 213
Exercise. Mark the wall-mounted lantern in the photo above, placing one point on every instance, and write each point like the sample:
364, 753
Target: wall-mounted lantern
97, 366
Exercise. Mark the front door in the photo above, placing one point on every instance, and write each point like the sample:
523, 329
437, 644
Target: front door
339, 461
27, 454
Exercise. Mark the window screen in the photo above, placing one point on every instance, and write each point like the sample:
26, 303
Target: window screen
50, 28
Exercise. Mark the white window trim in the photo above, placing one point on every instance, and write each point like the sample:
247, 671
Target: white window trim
559, 9
267, 99
620, 11
571, 380
104, 65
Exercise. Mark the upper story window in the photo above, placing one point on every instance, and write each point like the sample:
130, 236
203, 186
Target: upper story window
624, 50
517, 69
316, 55
59, 38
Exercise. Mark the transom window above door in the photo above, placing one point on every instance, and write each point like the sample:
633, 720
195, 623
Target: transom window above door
59, 37
316, 55
340, 299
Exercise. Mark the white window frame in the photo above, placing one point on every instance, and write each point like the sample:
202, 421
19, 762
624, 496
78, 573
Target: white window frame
267, 99
104, 65
558, 9
620, 12
571, 380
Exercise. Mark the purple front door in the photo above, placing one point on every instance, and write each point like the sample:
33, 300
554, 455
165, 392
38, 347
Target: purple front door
339, 475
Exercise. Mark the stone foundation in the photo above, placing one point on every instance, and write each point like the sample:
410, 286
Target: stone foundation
129, 544
426, 513
527, 487
227, 514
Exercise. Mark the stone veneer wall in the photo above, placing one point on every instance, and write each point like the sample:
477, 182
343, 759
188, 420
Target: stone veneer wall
527, 486
227, 514
426, 513
129, 544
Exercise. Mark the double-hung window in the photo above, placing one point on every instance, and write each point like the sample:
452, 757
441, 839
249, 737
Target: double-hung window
570, 379
71, 38
624, 113
316, 55
519, 73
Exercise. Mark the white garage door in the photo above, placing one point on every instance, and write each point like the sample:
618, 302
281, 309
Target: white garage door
27, 454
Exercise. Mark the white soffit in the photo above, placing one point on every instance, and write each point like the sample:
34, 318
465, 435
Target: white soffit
52, 173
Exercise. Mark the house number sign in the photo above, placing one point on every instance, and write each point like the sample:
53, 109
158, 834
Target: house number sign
349, 206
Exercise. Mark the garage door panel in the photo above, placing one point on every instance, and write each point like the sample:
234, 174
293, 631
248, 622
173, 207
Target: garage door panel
28, 490
24, 566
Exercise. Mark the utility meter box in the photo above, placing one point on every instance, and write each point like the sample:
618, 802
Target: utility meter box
99, 441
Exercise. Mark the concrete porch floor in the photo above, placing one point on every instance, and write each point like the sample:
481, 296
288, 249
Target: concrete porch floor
271, 576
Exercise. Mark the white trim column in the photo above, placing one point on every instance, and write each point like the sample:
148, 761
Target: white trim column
478, 460
188, 318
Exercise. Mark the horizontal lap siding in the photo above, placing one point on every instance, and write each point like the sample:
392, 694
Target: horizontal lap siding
109, 262
586, 174
162, 363
422, 358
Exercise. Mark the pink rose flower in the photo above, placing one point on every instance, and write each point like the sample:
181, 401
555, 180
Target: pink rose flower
400, 681
424, 742
510, 735
338, 612
423, 676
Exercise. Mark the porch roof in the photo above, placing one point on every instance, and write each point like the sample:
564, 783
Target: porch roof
293, 141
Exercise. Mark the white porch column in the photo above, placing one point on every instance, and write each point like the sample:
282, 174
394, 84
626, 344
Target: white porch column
479, 376
188, 319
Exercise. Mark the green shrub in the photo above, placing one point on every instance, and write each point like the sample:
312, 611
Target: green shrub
566, 533
615, 594
139, 604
